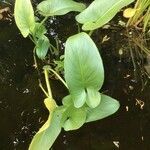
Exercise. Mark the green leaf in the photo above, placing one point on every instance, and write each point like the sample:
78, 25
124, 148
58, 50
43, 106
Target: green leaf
42, 47
39, 30
67, 100
46, 136
93, 98
83, 67
100, 12
59, 7
79, 98
107, 107
73, 118
24, 16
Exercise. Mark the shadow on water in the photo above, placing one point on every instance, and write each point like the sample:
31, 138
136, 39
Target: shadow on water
21, 101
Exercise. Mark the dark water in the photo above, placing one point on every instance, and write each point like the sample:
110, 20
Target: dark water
21, 101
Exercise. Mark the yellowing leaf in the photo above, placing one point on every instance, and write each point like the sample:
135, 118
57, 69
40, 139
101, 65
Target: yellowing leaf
129, 12
45, 137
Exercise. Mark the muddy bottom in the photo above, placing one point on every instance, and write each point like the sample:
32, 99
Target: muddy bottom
21, 101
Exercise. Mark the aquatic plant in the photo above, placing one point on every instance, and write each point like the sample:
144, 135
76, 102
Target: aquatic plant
100, 12
84, 74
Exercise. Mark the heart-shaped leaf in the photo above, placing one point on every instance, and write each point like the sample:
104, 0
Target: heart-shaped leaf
48, 133
83, 69
73, 118
24, 16
107, 107
42, 47
59, 7
100, 12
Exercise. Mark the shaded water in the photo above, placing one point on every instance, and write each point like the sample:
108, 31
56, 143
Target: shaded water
21, 101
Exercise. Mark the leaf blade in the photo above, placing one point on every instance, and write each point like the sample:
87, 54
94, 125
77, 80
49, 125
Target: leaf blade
73, 118
57, 7
100, 12
42, 47
48, 133
82, 65
107, 107
24, 16
93, 98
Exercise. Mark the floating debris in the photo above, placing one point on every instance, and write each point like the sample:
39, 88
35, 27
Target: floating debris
127, 108
140, 102
26, 91
116, 143
105, 39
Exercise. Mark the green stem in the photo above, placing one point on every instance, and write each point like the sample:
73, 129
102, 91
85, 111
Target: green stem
34, 56
78, 27
32, 39
57, 44
53, 47
43, 21
59, 77
91, 32
40, 85
48, 83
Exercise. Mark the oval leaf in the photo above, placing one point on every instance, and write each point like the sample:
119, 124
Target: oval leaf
100, 12
42, 47
107, 107
24, 16
59, 7
83, 67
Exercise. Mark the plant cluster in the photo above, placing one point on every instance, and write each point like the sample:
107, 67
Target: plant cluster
141, 13
83, 66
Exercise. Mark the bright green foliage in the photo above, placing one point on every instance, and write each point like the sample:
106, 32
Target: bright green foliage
107, 107
83, 67
73, 118
24, 16
93, 98
39, 30
59, 7
100, 12
83, 83
48, 133
84, 72
42, 47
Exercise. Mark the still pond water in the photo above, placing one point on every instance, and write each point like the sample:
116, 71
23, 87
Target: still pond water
21, 101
